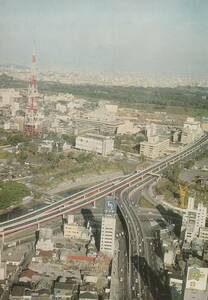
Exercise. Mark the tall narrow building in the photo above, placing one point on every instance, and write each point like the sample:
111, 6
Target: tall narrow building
108, 228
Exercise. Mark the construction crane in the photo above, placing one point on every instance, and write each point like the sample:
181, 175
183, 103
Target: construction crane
183, 188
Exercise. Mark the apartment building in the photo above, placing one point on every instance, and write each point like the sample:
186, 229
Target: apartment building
193, 220
154, 147
191, 131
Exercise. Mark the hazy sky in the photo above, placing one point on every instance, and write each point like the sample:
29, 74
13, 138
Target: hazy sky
150, 36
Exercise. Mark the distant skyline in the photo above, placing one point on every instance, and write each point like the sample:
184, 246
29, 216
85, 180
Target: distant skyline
142, 36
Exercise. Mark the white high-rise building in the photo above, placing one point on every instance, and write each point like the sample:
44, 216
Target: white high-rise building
151, 130
191, 202
108, 228
193, 220
191, 131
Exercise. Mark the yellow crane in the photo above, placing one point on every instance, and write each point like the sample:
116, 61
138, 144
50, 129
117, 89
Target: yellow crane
183, 188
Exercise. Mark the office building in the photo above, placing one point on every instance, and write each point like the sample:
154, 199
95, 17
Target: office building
154, 147
95, 143
74, 231
191, 131
108, 227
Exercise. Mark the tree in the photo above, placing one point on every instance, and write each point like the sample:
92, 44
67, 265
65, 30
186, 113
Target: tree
70, 139
16, 138
22, 156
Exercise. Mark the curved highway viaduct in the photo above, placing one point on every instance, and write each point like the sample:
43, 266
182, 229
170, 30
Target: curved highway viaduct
121, 186
97, 192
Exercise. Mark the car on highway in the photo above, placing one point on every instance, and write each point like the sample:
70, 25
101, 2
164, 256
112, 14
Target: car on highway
121, 279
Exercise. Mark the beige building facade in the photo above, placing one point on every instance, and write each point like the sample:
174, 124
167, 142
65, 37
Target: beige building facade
154, 147
100, 144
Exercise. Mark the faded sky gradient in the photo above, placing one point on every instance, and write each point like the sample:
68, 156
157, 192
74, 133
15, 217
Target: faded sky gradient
150, 36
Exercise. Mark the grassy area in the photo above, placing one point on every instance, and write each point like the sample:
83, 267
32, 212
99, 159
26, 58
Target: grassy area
129, 142
53, 167
5, 154
11, 193
9, 137
55, 176
143, 202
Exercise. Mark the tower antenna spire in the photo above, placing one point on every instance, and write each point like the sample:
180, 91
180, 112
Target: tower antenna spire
31, 124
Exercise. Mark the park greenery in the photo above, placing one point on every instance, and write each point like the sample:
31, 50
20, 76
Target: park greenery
129, 142
50, 168
69, 139
179, 100
12, 193
13, 138
168, 185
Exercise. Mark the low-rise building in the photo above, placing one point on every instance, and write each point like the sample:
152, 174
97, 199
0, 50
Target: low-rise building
45, 241
176, 287
88, 296
74, 231
8, 97
197, 247
65, 290
196, 286
95, 143
205, 251
127, 127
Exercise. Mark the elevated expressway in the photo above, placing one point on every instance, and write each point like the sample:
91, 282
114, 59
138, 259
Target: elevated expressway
143, 281
97, 192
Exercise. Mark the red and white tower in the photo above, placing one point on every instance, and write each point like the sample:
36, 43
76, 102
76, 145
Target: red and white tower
31, 126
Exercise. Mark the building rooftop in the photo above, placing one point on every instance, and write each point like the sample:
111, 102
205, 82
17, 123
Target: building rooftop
88, 295
95, 136
64, 285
